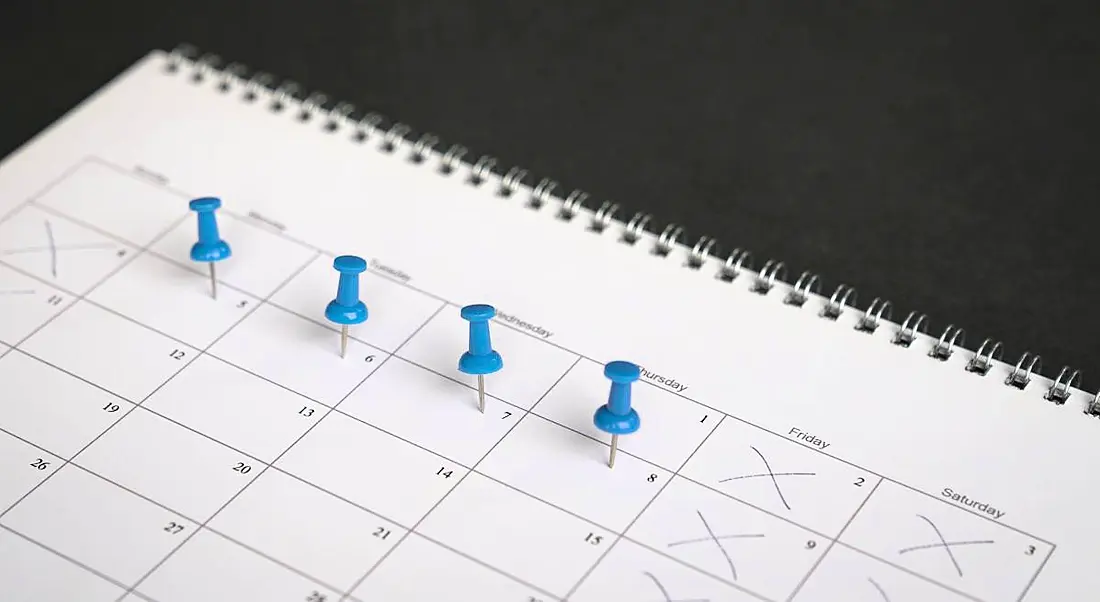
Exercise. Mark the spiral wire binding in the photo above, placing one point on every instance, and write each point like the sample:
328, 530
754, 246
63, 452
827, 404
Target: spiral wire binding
314, 107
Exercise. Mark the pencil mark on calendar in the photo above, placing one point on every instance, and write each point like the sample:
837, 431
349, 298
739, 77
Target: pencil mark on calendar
53, 249
943, 544
664, 592
712, 537
879, 589
771, 474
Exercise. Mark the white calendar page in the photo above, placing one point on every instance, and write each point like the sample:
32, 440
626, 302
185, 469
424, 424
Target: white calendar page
157, 444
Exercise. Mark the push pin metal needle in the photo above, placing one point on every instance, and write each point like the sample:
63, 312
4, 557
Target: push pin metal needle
346, 309
617, 417
210, 247
480, 359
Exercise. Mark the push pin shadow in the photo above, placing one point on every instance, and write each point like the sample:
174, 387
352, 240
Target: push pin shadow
346, 309
617, 417
481, 359
210, 248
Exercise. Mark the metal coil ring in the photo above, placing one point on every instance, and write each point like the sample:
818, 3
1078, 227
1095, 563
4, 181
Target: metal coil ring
908, 332
667, 240
983, 360
283, 95
371, 121
541, 194
635, 227
572, 205
259, 82
1021, 376
765, 280
481, 170
423, 145
511, 181
337, 116
943, 348
735, 261
231, 75
875, 312
204, 67
394, 137
1094, 405
842, 296
700, 252
602, 218
807, 283
452, 156
313, 104
180, 54
1059, 391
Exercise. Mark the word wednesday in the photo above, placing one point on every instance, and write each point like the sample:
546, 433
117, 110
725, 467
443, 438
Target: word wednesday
813, 440
983, 507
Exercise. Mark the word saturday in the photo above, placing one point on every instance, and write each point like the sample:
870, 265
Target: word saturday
963, 500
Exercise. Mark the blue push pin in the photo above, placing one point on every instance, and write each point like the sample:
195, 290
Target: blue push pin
346, 308
210, 248
617, 417
480, 359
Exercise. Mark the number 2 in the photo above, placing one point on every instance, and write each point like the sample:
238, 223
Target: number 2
859, 482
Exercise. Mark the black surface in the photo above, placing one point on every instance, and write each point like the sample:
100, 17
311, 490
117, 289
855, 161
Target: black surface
941, 155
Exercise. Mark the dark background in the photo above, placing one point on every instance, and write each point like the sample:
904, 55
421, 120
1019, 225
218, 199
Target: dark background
942, 155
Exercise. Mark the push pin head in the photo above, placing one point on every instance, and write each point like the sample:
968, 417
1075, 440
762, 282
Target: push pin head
480, 359
210, 246
346, 309
617, 417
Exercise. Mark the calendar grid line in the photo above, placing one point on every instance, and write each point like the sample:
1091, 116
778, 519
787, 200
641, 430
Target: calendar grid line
461, 479
251, 310
509, 486
182, 194
64, 175
77, 299
832, 542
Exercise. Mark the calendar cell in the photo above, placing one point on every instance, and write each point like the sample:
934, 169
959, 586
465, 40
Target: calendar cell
420, 569
430, 410
24, 466
59, 251
173, 300
950, 545
547, 460
516, 534
845, 574
116, 201
395, 310
30, 572
261, 260
681, 423
371, 469
307, 528
26, 304
631, 572
84, 517
52, 409
213, 569
124, 358
728, 539
297, 354
780, 476
162, 461
531, 366
237, 408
